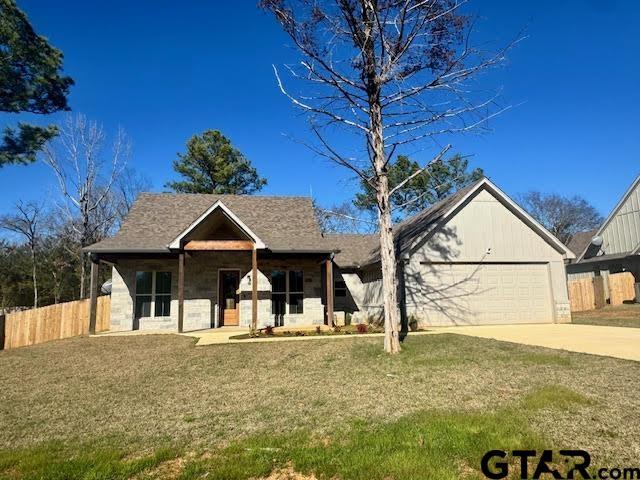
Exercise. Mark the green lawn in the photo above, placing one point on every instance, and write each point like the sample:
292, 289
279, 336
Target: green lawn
618, 316
159, 407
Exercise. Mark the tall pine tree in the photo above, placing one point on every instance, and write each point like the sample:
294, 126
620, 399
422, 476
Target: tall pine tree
213, 165
30, 81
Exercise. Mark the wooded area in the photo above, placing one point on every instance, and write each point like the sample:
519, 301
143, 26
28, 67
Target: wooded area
54, 322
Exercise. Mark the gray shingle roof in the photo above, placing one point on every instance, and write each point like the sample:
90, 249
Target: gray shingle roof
282, 223
355, 249
580, 241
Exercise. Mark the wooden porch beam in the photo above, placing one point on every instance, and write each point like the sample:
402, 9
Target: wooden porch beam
218, 245
180, 292
93, 295
329, 275
254, 289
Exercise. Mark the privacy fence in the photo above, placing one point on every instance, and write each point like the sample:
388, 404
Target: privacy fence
53, 322
591, 293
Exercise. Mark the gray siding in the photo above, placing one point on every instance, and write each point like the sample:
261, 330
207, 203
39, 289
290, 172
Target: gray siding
490, 267
621, 234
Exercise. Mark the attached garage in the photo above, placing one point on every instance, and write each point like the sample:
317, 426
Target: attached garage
487, 294
475, 258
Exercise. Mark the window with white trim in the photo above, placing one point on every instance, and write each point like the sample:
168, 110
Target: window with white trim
153, 294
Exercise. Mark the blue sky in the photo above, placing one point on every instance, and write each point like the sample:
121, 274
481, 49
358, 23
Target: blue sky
165, 70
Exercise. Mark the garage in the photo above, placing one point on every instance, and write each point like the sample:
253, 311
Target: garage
484, 294
474, 258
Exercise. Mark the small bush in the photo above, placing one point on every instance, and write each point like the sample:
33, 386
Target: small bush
362, 328
318, 330
337, 328
268, 330
413, 323
347, 318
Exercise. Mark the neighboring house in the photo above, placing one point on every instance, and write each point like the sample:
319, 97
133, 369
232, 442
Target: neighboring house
615, 246
191, 261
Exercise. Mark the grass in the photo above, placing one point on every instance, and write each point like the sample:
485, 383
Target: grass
618, 316
159, 407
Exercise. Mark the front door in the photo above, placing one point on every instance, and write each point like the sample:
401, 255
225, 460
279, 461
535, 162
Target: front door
228, 295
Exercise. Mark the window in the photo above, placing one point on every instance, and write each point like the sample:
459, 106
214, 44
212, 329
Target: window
153, 294
287, 289
278, 295
296, 291
340, 288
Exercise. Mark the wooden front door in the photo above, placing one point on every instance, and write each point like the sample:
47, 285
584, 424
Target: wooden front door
228, 295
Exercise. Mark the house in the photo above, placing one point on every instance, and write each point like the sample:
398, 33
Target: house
615, 246
193, 261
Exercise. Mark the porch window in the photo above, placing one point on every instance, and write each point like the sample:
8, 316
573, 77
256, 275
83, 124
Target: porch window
296, 291
340, 288
278, 295
153, 294
287, 289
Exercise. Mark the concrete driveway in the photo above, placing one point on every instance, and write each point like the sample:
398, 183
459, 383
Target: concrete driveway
619, 342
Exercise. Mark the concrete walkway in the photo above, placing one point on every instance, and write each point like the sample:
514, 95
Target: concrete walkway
615, 342
618, 342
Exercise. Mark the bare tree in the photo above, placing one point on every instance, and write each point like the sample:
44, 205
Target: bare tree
127, 188
343, 218
562, 216
87, 175
26, 221
390, 73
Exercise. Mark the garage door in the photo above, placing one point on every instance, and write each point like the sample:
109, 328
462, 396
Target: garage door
465, 294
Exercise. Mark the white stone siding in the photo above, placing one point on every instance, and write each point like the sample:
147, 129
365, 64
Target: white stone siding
201, 291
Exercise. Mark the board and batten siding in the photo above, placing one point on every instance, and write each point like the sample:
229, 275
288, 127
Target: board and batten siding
484, 264
622, 232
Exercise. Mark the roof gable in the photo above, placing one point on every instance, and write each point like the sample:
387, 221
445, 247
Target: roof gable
410, 230
620, 232
218, 205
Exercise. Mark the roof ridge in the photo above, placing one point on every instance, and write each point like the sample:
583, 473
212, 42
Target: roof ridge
241, 195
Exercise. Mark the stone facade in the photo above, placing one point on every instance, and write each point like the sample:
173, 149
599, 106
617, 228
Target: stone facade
201, 291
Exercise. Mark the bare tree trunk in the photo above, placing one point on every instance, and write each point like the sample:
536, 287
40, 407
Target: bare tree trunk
83, 276
34, 275
387, 248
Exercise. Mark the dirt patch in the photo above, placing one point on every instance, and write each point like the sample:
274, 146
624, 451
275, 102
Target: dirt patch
288, 473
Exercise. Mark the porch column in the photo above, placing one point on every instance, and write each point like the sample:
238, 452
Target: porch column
254, 289
329, 275
180, 292
93, 293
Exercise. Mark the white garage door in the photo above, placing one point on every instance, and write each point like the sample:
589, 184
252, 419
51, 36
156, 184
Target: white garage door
468, 294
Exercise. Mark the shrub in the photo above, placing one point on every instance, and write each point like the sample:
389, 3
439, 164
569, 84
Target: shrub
318, 329
413, 323
347, 318
337, 328
362, 328
268, 330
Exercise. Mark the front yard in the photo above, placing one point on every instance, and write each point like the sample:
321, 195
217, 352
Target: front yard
618, 316
158, 407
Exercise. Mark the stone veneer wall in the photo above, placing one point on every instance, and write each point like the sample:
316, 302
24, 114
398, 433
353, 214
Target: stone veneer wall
201, 291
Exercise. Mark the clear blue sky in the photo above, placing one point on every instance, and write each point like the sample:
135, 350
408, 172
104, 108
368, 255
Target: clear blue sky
165, 70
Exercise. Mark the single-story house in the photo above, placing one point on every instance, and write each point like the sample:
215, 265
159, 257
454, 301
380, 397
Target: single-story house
615, 246
196, 261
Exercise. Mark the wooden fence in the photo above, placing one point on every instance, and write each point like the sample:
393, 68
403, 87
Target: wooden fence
54, 322
621, 288
590, 293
